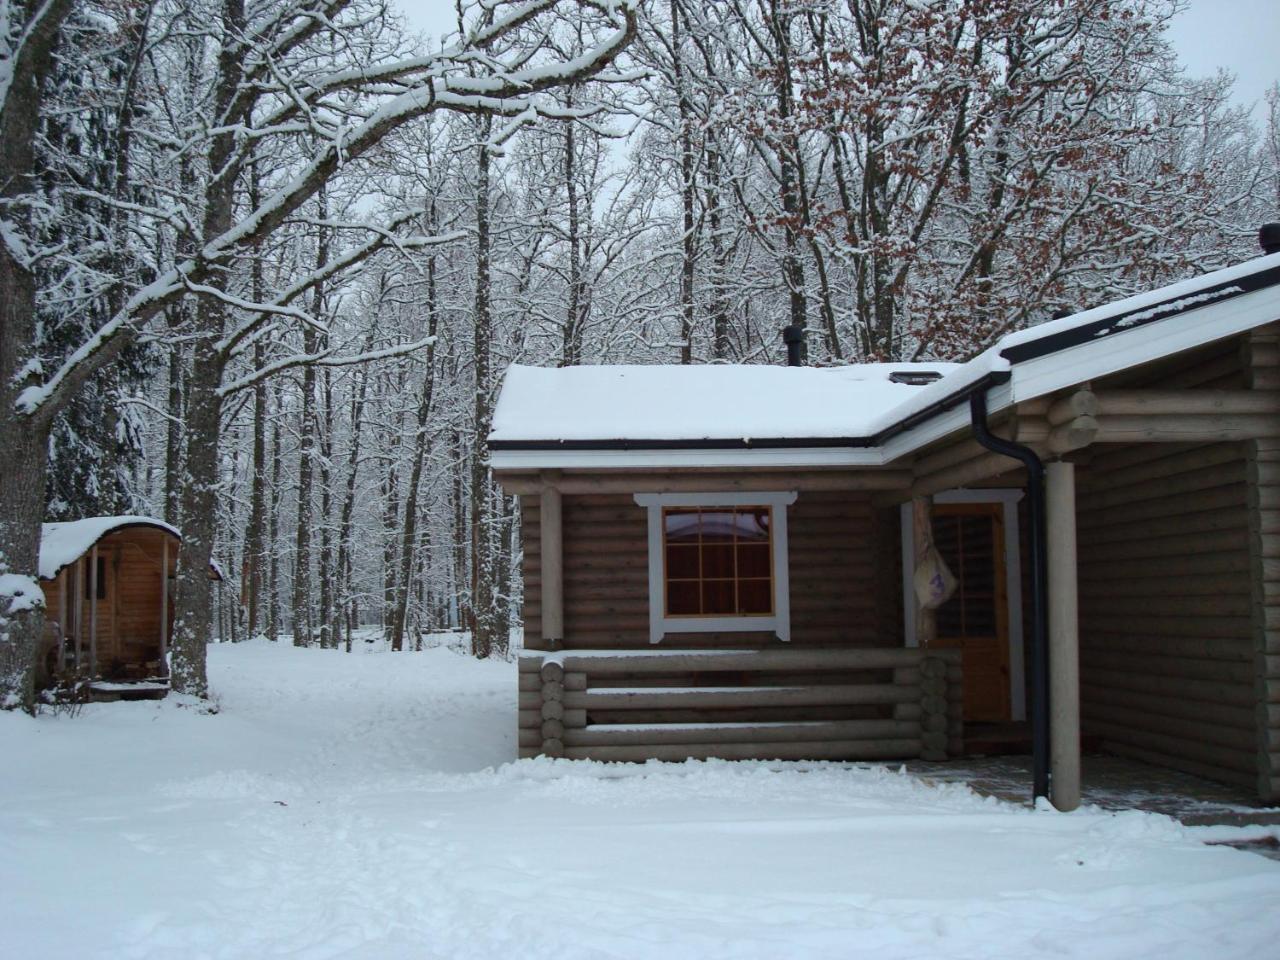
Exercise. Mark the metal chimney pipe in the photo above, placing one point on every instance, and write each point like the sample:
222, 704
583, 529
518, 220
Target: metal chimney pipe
793, 337
1269, 238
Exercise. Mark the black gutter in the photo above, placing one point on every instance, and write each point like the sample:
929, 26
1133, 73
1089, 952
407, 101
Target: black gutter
1039, 585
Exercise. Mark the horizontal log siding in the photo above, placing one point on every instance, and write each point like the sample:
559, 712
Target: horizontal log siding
844, 594
784, 702
1262, 366
837, 558
1166, 659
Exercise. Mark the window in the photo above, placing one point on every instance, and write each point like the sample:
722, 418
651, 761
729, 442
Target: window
718, 563
102, 579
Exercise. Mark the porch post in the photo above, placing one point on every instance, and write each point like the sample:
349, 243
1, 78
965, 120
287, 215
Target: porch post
63, 622
1064, 636
549, 527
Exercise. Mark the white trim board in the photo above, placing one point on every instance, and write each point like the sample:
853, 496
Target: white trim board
660, 624
761, 457
1013, 577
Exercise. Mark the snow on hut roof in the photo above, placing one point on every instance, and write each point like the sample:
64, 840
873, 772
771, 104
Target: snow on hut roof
64, 543
692, 403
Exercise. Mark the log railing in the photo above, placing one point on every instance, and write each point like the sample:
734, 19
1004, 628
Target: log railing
891, 703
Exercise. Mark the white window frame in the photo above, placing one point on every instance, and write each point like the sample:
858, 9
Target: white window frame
660, 624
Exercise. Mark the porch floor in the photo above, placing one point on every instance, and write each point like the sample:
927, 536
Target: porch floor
1113, 783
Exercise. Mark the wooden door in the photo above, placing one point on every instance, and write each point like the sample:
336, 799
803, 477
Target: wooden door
970, 537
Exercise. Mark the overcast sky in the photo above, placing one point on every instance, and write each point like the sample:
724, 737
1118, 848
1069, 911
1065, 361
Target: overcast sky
1241, 35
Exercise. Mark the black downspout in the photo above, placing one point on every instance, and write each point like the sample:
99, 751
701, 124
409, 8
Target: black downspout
1039, 587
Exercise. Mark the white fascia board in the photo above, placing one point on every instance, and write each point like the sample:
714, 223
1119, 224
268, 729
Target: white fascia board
779, 458
957, 418
1143, 344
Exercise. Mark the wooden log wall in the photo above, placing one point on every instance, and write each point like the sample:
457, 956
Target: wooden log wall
573, 705
845, 596
1168, 616
842, 556
1262, 371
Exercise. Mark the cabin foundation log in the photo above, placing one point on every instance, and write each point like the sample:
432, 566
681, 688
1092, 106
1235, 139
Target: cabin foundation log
673, 705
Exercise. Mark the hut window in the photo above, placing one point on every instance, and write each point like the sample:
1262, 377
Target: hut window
102, 580
718, 563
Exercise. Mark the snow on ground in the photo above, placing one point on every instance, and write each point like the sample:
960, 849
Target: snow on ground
364, 806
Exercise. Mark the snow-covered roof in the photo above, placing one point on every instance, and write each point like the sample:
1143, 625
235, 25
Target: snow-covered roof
64, 543
693, 403
619, 416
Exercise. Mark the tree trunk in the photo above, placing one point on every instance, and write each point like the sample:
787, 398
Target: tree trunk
481, 561
193, 601
25, 444
328, 634
273, 524
255, 532
688, 249
304, 633
571, 348
787, 149
390, 513
421, 443
193, 590
346, 524
719, 257
25, 453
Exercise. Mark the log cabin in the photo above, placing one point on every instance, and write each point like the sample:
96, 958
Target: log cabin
107, 585
736, 562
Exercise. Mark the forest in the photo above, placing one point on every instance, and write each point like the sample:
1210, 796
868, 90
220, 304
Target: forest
263, 263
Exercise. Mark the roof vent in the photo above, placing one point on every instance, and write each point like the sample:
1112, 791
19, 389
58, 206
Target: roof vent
1269, 238
915, 378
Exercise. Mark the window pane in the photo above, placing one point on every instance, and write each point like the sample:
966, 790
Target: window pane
717, 561
717, 526
752, 524
755, 596
682, 598
682, 561
717, 597
681, 526
753, 560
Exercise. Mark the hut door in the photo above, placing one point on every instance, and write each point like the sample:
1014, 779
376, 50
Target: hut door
970, 537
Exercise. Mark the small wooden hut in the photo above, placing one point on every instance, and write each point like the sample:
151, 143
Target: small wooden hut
107, 587
726, 561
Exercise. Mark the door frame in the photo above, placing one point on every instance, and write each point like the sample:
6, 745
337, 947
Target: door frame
1013, 580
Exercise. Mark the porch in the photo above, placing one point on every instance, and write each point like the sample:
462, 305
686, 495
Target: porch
1113, 783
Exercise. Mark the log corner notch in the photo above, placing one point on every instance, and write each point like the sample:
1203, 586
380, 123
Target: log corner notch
545, 713
1073, 421
552, 730
551, 531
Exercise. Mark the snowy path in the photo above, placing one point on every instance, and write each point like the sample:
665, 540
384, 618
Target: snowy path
343, 807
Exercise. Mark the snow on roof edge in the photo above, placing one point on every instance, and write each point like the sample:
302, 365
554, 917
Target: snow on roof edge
64, 542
